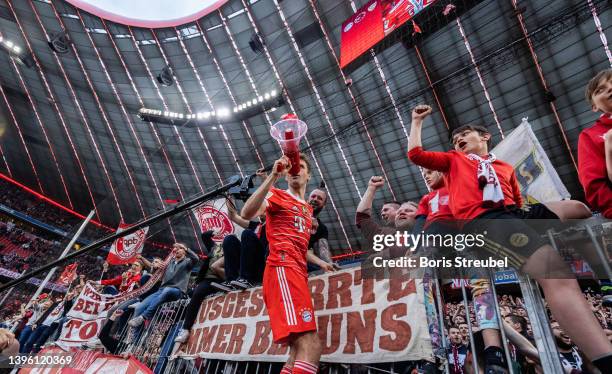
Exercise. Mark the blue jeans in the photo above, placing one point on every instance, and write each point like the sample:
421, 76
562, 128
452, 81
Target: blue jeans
23, 338
34, 336
147, 307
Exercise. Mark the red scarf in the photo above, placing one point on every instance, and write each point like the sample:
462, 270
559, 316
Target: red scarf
457, 368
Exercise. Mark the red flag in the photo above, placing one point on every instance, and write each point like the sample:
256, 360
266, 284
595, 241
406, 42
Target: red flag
416, 28
125, 249
69, 274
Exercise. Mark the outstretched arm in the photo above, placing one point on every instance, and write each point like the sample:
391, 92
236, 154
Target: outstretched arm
234, 216
313, 259
431, 160
256, 204
365, 205
419, 113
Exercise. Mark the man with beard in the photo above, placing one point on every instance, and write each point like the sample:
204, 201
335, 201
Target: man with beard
319, 240
572, 359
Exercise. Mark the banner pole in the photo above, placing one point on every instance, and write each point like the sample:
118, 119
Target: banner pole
234, 181
64, 253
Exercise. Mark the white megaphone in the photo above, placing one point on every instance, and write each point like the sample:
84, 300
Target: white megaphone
288, 132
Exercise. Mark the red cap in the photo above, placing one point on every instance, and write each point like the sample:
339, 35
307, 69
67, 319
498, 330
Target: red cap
42, 296
289, 116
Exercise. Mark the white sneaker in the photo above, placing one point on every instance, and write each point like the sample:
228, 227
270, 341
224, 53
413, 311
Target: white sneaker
135, 322
182, 336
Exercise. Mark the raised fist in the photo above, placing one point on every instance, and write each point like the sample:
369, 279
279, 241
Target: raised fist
376, 182
420, 112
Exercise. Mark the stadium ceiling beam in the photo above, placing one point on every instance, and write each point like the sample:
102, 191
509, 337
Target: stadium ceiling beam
293, 109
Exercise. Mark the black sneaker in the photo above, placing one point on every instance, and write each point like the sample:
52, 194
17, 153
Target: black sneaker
224, 286
242, 284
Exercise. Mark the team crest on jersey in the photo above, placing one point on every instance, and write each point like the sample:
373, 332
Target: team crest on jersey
304, 210
306, 315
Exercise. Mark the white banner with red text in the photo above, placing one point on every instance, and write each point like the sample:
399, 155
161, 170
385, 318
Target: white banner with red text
213, 215
90, 309
358, 320
85, 318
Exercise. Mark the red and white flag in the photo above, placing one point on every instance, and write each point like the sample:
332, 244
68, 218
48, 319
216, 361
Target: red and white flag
68, 275
212, 215
125, 249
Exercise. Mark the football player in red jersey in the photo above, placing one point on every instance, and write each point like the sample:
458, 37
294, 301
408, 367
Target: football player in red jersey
285, 281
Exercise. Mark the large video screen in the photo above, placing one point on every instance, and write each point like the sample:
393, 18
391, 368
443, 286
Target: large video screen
372, 23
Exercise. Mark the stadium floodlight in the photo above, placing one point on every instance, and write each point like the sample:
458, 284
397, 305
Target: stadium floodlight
223, 113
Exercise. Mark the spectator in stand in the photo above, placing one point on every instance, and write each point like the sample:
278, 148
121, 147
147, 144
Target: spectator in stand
123, 282
572, 360
244, 258
388, 212
211, 271
42, 326
319, 240
173, 286
404, 217
129, 305
39, 306
481, 188
595, 146
458, 351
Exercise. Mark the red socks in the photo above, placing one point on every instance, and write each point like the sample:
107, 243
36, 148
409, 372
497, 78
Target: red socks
303, 367
286, 370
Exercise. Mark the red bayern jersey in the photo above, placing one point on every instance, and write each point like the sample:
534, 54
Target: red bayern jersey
288, 223
435, 206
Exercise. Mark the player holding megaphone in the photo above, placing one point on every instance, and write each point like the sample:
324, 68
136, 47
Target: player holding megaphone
288, 224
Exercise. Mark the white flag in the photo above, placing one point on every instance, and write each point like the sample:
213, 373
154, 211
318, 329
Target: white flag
213, 215
537, 177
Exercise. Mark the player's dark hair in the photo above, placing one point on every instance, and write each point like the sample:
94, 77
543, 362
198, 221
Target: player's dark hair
518, 319
603, 75
392, 202
306, 160
481, 130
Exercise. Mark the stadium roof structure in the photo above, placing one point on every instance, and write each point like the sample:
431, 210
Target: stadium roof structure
70, 127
